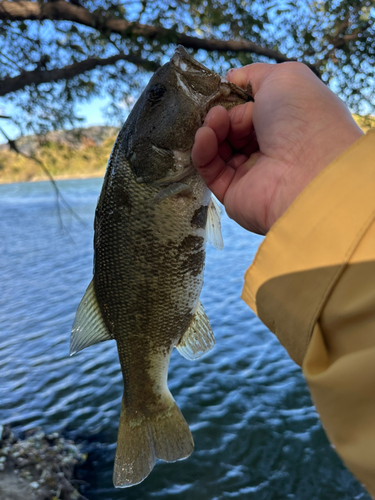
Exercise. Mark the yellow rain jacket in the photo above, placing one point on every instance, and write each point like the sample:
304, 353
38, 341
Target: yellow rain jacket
312, 283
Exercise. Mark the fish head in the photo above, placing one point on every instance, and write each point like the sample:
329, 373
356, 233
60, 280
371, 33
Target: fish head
160, 130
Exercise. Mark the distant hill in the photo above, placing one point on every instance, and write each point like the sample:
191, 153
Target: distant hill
77, 153
81, 152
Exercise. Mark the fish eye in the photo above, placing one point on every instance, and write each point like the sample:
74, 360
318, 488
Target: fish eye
156, 92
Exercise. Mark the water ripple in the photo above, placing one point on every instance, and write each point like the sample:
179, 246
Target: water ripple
256, 432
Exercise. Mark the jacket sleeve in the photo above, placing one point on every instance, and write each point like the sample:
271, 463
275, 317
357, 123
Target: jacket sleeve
312, 283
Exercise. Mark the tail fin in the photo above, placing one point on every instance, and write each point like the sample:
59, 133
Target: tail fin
142, 440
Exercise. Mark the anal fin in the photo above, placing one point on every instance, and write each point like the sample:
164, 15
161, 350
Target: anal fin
198, 338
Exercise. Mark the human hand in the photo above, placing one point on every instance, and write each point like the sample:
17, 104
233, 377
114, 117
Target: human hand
259, 156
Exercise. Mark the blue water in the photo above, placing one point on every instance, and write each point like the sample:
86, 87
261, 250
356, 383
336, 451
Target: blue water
257, 435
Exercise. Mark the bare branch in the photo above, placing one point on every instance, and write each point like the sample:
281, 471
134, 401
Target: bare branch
340, 41
342, 27
66, 11
352, 36
339, 38
10, 60
39, 76
59, 197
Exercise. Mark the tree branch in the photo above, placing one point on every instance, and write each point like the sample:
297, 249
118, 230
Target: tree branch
39, 76
339, 38
340, 41
59, 197
66, 11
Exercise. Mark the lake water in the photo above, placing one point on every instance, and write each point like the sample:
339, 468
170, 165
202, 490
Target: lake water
257, 435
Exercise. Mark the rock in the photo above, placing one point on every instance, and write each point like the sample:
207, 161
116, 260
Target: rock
13, 487
39, 467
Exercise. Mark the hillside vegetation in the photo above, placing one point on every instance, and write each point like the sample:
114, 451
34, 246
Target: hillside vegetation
76, 153
66, 154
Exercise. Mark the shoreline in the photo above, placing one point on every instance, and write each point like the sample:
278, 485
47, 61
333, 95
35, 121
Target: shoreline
93, 175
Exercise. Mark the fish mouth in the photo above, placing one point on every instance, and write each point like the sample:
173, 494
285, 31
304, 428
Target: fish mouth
183, 63
180, 58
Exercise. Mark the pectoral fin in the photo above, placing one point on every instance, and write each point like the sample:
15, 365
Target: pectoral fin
171, 190
198, 338
88, 327
178, 176
213, 226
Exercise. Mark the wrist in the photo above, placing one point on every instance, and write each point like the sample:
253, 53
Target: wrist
322, 153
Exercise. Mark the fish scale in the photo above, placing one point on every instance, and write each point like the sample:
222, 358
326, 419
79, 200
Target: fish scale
153, 219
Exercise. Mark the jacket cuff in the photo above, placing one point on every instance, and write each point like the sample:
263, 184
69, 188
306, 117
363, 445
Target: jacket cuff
307, 249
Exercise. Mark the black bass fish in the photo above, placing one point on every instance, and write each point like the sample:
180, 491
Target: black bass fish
153, 219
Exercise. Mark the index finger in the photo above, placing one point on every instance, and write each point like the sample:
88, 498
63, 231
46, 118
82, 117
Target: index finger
241, 125
216, 174
253, 73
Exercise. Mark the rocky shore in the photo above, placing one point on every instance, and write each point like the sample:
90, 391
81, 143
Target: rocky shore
38, 467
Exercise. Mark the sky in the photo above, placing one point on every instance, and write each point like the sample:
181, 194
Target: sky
91, 112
